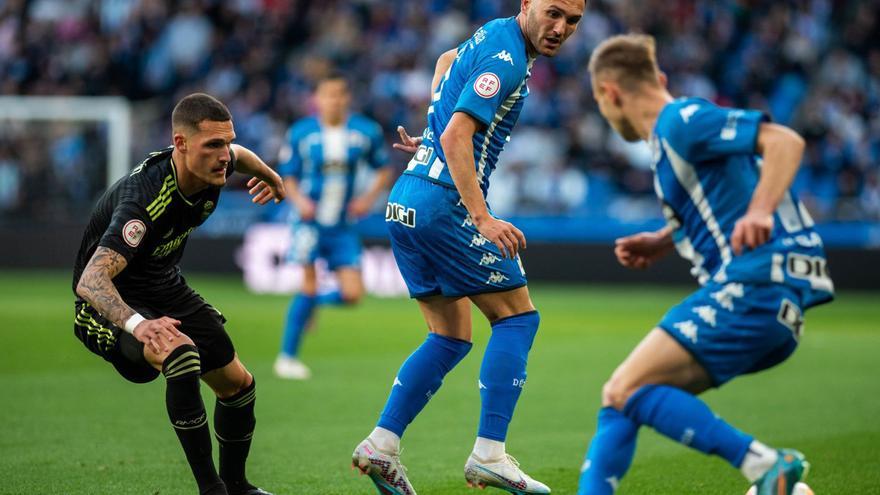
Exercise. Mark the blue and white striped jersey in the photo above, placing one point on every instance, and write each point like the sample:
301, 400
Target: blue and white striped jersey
705, 171
487, 81
324, 160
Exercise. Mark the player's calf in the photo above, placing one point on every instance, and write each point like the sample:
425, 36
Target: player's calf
186, 411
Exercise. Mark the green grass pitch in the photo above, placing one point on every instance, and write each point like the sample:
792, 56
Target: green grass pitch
71, 425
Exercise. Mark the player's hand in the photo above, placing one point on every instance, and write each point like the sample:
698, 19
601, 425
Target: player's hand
262, 191
306, 208
508, 238
157, 333
752, 230
643, 249
359, 206
407, 143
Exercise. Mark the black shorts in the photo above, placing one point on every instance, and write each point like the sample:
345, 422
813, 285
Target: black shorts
199, 321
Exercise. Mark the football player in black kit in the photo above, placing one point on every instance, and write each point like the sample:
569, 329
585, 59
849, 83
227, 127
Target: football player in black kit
136, 311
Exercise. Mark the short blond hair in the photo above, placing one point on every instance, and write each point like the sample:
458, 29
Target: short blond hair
630, 59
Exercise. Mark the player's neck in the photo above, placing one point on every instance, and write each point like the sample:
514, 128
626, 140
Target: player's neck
649, 105
333, 121
187, 183
530, 50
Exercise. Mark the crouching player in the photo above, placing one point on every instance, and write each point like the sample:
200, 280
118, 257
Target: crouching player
722, 176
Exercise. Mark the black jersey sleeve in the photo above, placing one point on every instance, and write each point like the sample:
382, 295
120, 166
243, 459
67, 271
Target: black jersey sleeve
128, 230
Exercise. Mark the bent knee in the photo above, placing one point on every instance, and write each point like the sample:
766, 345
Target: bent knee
351, 298
616, 393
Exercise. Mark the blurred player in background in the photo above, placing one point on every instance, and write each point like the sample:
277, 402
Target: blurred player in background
452, 251
135, 310
319, 166
723, 177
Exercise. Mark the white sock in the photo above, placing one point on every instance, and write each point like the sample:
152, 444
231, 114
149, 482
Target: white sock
489, 450
758, 460
385, 440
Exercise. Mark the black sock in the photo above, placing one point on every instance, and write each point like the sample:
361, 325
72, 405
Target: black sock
234, 423
186, 411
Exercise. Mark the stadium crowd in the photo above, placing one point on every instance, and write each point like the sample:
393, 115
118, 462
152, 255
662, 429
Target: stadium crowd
811, 64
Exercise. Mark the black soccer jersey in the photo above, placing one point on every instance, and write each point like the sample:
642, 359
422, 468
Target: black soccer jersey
145, 218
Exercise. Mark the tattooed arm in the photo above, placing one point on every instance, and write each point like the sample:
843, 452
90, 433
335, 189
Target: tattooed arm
96, 286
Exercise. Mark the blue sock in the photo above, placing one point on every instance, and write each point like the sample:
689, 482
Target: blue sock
333, 298
419, 378
684, 418
503, 373
610, 454
298, 315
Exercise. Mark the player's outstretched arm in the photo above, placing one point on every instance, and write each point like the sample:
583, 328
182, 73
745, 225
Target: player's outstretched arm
266, 183
457, 142
782, 150
643, 249
444, 62
96, 287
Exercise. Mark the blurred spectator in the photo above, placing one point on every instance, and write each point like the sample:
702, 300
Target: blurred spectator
812, 64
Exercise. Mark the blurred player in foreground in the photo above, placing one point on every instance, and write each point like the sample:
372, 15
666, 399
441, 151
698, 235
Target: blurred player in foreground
135, 310
319, 166
723, 177
453, 252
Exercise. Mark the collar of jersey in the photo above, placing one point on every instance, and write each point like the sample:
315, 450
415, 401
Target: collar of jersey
176, 186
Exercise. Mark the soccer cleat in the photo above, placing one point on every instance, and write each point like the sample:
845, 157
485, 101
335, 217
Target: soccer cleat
291, 369
385, 470
246, 489
790, 468
504, 474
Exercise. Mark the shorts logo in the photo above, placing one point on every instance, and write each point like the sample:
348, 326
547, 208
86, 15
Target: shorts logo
487, 85
706, 313
790, 316
725, 296
468, 221
395, 212
133, 232
488, 259
496, 278
688, 329
478, 240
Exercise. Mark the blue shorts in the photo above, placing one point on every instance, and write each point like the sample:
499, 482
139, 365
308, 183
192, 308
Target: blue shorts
339, 246
737, 328
438, 249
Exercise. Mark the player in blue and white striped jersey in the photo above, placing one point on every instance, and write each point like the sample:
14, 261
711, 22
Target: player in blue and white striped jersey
723, 177
452, 251
319, 166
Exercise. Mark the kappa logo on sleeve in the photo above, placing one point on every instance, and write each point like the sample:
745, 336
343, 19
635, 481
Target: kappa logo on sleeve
133, 232
487, 85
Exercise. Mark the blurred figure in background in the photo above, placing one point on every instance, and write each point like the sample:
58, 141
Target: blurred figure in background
319, 165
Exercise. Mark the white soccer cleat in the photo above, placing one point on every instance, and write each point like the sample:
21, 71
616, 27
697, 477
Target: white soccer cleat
291, 369
503, 473
384, 469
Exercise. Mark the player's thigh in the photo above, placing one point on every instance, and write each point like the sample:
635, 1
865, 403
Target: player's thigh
497, 305
657, 359
205, 325
410, 208
351, 284
447, 316
304, 243
228, 380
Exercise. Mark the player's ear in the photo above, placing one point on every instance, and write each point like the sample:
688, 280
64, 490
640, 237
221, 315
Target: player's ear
661, 77
179, 142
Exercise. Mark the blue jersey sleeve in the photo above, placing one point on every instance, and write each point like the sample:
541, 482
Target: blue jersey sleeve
492, 79
378, 156
705, 132
289, 159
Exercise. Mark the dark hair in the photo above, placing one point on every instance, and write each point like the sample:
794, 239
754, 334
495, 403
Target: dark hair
629, 58
197, 107
333, 75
